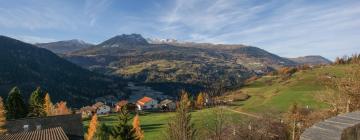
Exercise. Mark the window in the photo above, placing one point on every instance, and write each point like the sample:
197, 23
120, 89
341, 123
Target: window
26, 127
38, 127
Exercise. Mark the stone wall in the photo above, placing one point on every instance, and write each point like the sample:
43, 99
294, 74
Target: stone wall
341, 127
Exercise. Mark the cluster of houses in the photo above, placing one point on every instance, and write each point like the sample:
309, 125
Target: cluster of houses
145, 103
65, 127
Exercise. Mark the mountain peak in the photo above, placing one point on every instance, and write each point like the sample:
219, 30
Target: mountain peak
124, 39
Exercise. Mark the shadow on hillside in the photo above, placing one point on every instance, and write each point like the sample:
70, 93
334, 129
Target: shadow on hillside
151, 127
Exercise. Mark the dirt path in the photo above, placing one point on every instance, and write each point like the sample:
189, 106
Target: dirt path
243, 113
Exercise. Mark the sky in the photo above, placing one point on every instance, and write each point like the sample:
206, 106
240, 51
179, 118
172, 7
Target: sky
288, 28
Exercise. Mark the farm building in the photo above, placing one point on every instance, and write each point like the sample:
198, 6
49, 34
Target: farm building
147, 103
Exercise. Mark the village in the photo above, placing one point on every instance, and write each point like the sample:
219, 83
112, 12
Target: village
69, 125
143, 104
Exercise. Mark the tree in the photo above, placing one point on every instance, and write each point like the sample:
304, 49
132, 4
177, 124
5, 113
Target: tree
220, 124
122, 130
296, 116
62, 109
137, 128
15, 105
180, 126
36, 103
2, 117
48, 105
343, 93
103, 132
200, 101
92, 128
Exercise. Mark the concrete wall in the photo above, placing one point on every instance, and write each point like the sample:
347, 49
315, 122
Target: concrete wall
341, 127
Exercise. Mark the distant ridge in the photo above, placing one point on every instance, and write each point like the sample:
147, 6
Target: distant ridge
311, 60
63, 47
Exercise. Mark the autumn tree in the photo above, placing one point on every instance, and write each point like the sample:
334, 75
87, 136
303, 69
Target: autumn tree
48, 106
295, 116
343, 93
136, 125
92, 128
62, 109
180, 126
200, 101
2, 117
15, 105
122, 130
36, 103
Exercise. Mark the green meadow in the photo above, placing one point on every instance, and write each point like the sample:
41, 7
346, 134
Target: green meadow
154, 124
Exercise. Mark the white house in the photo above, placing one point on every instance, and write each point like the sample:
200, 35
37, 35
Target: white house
147, 103
167, 105
101, 108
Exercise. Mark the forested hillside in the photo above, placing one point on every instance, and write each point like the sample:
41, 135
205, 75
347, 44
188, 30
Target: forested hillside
28, 67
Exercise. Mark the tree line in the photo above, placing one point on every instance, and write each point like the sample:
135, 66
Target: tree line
354, 59
39, 105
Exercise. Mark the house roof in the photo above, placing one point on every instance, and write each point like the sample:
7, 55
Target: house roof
98, 104
71, 124
166, 101
122, 103
87, 109
56, 133
144, 100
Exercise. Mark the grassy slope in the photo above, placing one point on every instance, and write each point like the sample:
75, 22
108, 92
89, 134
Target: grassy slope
154, 124
272, 93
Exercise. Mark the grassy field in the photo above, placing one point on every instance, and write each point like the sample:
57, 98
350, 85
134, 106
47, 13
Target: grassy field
268, 94
154, 124
271, 93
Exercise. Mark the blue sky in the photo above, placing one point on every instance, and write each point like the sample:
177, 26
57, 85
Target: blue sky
289, 28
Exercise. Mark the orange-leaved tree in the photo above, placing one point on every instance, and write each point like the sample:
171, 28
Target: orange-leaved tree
48, 105
2, 117
136, 126
200, 101
62, 109
92, 128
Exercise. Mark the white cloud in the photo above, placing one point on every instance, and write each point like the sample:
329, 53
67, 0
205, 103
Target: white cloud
291, 29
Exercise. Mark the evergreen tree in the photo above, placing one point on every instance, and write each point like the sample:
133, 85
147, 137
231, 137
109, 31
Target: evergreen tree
92, 128
180, 126
138, 132
36, 103
48, 105
15, 105
2, 117
103, 132
122, 130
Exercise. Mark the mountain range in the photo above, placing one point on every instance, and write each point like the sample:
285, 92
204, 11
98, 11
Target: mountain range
79, 72
164, 62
